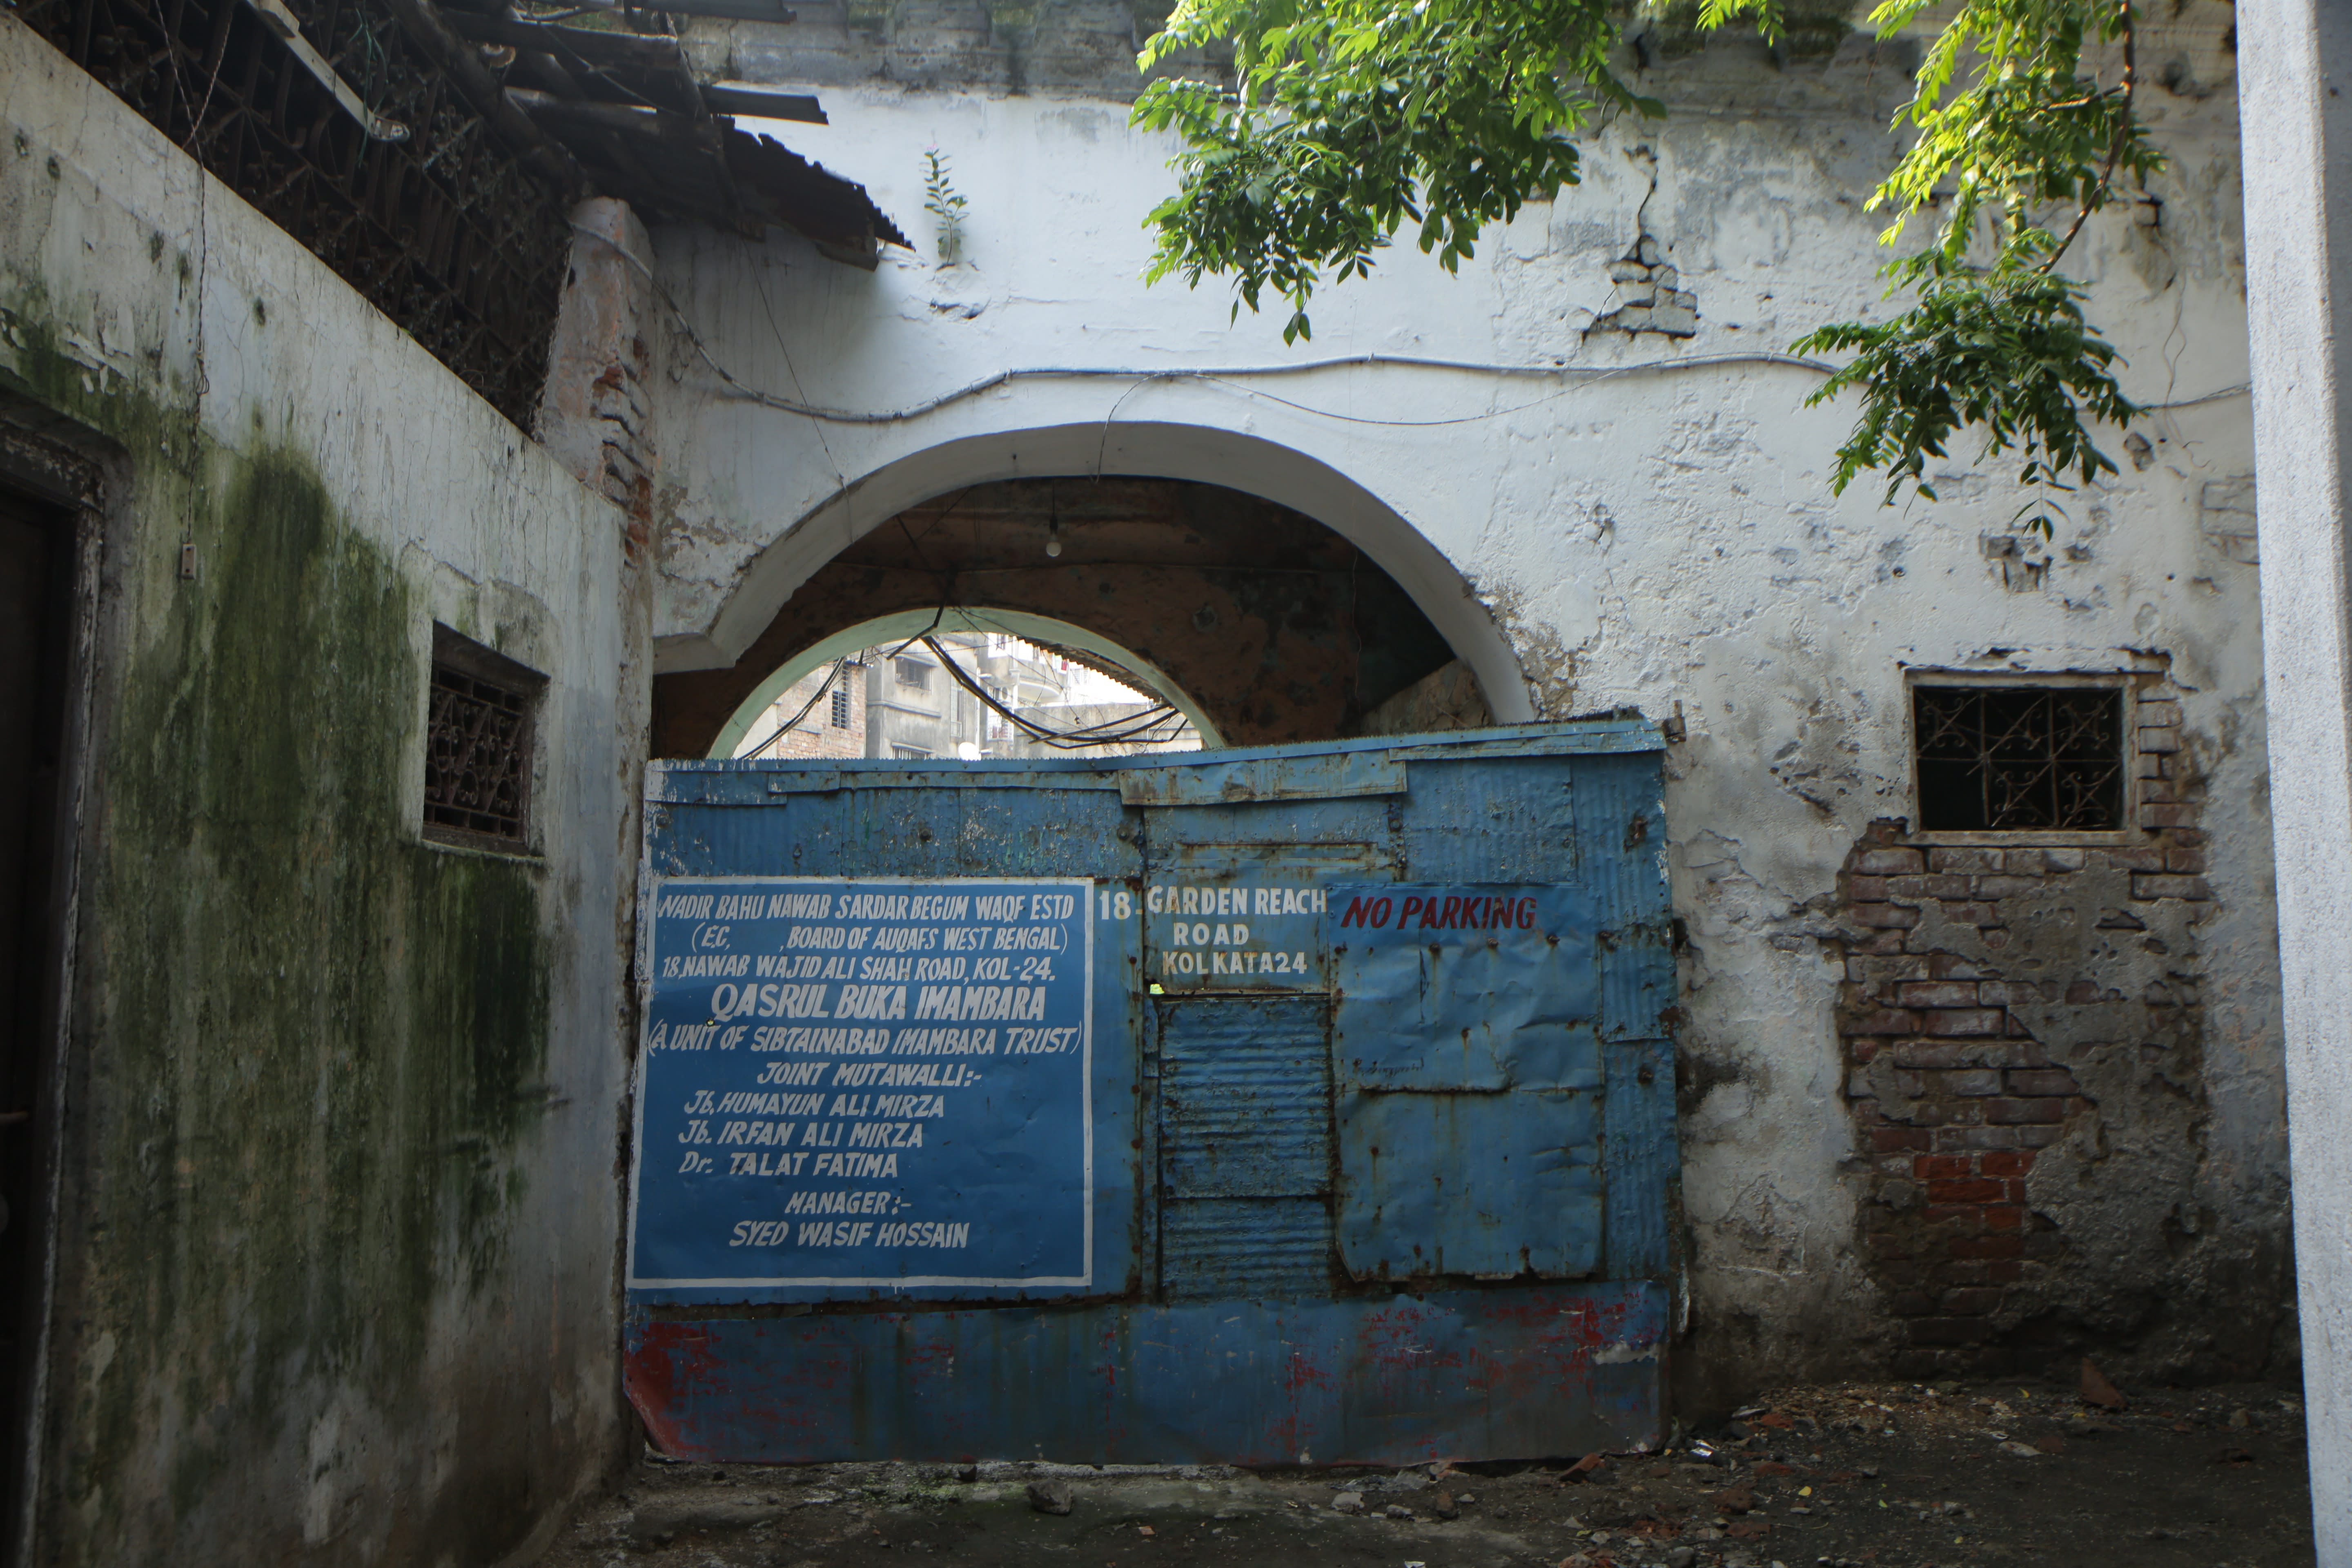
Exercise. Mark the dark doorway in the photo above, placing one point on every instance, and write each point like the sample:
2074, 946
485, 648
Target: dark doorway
37, 598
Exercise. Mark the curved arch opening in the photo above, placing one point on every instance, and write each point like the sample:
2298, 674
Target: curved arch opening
1262, 623
790, 689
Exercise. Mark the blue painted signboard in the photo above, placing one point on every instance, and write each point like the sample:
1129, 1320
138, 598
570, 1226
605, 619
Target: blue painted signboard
855, 1083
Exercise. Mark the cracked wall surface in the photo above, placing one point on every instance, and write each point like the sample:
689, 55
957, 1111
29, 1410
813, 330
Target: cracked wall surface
1622, 519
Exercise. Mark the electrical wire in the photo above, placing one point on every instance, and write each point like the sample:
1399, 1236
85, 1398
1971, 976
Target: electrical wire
1177, 373
923, 635
1578, 374
838, 666
1393, 424
1133, 727
977, 619
2216, 395
1117, 671
1214, 375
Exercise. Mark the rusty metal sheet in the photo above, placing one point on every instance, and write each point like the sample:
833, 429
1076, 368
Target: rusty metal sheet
1467, 1076
1244, 1148
1503, 819
858, 1084
1433, 996
1244, 1249
1391, 1379
1329, 775
1239, 915
1494, 1186
752, 783
1640, 1160
1244, 1092
1496, 1108
834, 839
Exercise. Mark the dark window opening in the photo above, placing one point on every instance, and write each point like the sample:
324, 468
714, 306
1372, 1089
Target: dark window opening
478, 747
913, 674
840, 708
2003, 758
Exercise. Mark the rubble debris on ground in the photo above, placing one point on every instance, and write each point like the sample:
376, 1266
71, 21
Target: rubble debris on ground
1883, 1475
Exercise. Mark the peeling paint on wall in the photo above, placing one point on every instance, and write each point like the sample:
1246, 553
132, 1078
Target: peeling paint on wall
2025, 1036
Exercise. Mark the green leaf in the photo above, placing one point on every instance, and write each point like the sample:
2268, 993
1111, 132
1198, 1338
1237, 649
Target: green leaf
1351, 118
2006, 353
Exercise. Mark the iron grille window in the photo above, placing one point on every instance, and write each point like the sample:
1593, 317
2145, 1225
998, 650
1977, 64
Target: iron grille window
2002, 759
840, 708
478, 747
914, 674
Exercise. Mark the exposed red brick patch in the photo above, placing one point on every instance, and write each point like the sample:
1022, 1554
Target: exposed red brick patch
1953, 1095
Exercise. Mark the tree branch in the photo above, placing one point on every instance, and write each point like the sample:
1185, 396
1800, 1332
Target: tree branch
2098, 197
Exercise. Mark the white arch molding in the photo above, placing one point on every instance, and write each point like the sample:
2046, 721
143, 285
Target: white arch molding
1136, 450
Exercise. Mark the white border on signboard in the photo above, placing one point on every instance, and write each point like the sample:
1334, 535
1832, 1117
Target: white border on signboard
649, 888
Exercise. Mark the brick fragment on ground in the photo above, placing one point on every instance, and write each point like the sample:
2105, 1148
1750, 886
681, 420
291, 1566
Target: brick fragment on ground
2097, 1390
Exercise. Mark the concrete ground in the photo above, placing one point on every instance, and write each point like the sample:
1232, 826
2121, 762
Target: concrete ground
1889, 1475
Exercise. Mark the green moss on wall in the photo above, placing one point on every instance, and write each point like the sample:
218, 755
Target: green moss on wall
314, 1046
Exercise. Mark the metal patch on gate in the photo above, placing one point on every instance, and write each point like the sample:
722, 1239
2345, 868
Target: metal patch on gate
1467, 1078
859, 1083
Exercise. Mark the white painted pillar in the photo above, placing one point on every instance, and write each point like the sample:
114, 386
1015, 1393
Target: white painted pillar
2294, 60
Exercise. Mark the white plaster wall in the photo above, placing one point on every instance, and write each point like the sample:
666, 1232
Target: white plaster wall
271, 352
1654, 529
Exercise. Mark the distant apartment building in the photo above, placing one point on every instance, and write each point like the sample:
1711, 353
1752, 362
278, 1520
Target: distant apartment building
915, 709
822, 714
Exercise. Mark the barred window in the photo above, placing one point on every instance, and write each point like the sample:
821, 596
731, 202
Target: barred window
2000, 759
914, 674
840, 707
478, 747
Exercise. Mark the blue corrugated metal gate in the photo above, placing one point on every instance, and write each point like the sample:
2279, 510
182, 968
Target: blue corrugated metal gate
1299, 1105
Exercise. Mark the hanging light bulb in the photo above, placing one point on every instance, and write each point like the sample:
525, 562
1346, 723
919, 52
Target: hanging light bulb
1054, 537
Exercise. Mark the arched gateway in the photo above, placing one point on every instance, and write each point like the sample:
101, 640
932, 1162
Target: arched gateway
1273, 1103
1289, 601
